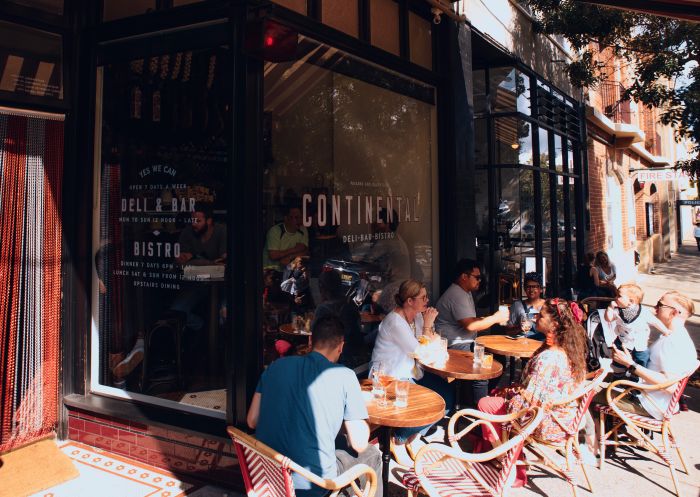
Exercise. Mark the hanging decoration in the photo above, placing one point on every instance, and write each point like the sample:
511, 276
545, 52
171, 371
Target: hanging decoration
31, 164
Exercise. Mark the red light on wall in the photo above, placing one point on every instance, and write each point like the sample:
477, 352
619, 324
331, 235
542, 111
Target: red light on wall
271, 41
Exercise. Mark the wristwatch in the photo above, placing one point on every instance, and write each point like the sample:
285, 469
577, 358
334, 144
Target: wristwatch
631, 369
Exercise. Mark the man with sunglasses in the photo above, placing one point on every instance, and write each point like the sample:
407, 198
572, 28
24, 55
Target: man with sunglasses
457, 319
670, 356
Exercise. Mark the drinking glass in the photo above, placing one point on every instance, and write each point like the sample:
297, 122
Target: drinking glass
525, 323
377, 374
487, 362
401, 387
478, 354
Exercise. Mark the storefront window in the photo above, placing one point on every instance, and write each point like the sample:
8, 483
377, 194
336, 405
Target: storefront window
30, 62
479, 82
513, 141
510, 90
545, 206
350, 156
544, 148
481, 142
160, 230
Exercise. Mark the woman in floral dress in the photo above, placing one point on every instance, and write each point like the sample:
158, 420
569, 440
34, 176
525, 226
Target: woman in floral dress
555, 371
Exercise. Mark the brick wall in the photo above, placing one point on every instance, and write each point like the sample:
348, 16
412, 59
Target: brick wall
202, 457
597, 153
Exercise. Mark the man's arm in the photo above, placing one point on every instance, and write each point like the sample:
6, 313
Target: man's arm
481, 324
254, 411
357, 431
649, 376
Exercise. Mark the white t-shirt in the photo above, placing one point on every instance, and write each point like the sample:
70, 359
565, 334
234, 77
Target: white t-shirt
675, 356
635, 334
454, 305
396, 344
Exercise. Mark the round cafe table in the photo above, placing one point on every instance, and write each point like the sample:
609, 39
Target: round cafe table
290, 329
510, 347
460, 366
424, 407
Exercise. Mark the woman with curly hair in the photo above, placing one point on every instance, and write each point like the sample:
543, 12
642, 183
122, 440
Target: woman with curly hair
555, 371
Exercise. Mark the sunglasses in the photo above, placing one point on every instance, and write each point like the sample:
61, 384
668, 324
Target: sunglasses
477, 277
532, 287
660, 304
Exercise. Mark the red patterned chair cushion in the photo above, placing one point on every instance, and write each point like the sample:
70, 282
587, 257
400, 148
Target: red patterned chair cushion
451, 478
637, 418
267, 477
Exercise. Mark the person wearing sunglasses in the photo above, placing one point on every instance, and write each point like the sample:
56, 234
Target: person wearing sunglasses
523, 313
457, 320
671, 356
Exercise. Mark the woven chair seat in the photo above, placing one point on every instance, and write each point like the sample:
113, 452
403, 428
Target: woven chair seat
637, 418
451, 478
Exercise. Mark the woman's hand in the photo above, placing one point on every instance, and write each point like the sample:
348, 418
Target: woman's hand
429, 316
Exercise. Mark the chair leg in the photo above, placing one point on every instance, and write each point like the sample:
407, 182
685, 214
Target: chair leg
669, 461
674, 442
569, 455
601, 440
583, 468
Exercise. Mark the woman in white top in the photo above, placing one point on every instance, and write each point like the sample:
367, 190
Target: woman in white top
604, 278
397, 342
397, 339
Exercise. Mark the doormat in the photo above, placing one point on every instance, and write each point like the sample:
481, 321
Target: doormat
33, 468
209, 399
111, 475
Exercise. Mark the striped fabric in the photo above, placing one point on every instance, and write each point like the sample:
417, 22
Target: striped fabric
637, 418
451, 477
263, 477
31, 164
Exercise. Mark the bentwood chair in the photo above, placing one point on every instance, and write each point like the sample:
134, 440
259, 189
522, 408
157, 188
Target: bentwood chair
267, 473
567, 443
633, 424
440, 470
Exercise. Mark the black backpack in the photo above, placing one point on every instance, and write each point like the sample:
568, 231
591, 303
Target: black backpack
597, 348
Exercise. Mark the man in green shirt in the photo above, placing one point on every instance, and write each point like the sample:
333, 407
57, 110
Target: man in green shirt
285, 241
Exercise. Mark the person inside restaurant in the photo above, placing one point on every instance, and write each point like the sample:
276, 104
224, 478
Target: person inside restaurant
311, 410
555, 371
457, 319
523, 313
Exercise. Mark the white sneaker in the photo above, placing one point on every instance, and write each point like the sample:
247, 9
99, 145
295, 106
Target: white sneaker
587, 456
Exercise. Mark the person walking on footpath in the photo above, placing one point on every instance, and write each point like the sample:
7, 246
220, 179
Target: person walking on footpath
304, 404
696, 234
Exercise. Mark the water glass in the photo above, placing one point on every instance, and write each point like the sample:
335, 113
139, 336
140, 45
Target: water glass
377, 375
401, 387
478, 354
525, 323
443, 346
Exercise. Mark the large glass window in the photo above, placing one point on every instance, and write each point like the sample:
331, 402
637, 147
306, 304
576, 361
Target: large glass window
513, 141
160, 231
30, 62
350, 155
509, 90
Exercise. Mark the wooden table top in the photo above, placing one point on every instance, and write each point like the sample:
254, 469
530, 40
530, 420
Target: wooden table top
369, 318
424, 407
460, 366
289, 329
502, 345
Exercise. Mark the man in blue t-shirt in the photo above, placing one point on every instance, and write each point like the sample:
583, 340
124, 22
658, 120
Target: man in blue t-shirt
302, 404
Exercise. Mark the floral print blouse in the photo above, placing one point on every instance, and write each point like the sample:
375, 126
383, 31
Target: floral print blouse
547, 378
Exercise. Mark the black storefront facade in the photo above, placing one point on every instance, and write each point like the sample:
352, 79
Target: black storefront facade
387, 132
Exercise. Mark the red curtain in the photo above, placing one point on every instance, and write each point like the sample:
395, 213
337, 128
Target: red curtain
31, 166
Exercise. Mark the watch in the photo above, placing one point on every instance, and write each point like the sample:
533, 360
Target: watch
631, 369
